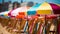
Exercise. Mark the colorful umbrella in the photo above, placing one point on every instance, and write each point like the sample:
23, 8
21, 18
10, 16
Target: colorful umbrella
4, 13
45, 8
32, 10
48, 8
19, 11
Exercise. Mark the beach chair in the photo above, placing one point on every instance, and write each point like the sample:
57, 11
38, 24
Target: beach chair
35, 28
51, 22
31, 25
58, 26
20, 25
41, 26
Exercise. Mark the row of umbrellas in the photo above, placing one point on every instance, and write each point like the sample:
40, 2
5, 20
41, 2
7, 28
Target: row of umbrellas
42, 9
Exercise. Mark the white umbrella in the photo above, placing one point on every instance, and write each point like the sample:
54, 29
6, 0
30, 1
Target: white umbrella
20, 9
5, 13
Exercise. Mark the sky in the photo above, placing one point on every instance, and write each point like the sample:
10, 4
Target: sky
37, 1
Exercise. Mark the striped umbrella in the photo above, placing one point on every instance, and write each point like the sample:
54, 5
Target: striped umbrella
5, 13
48, 8
33, 9
19, 12
45, 8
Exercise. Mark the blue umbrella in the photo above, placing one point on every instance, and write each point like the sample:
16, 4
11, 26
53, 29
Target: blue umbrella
32, 10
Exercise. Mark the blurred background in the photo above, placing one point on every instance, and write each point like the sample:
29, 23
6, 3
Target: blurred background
38, 1
6, 5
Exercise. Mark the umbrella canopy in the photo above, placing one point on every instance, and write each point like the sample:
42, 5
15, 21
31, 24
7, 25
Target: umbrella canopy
32, 10
56, 8
19, 11
44, 9
4, 13
48, 8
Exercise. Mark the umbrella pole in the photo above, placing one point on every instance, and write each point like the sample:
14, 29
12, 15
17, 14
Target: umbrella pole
45, 25
27, 25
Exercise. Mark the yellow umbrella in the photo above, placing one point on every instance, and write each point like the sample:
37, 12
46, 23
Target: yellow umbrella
45, 8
